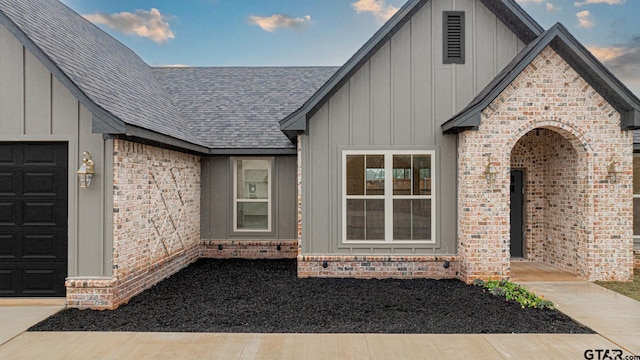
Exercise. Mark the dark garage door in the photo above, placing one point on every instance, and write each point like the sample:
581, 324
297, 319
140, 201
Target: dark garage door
33, 219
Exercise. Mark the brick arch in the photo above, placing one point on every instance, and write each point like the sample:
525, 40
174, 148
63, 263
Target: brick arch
570, 133
559, 207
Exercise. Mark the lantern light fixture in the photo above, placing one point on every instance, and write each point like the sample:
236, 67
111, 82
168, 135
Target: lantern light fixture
614, 169
490, 171
86, 171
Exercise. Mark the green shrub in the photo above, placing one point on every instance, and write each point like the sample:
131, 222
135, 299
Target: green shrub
514, 292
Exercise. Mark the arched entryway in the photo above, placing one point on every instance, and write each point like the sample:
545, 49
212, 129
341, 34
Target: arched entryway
551, 206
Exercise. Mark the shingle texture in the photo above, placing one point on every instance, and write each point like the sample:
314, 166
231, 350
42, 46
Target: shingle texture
106, 71
240, 107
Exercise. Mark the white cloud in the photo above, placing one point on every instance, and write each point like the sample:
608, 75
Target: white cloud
610, 2
150, 24
378, 8
584, 19
623, 60
552, 7
276, 21
605, 54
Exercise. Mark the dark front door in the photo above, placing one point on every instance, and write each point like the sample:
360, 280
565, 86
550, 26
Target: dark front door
517, 213
33, 219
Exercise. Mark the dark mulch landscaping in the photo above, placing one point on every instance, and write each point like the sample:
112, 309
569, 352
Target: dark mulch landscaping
265, 296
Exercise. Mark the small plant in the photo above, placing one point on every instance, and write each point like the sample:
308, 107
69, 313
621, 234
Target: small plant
514, 292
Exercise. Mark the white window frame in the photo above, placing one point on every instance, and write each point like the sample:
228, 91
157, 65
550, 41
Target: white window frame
235, 194
388, 195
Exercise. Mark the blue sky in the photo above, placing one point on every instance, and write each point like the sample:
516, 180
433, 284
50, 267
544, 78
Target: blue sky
326, 32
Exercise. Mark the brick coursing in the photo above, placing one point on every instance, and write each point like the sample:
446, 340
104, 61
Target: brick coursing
156, 223
576, 218
636, 263
340, 266
244, 249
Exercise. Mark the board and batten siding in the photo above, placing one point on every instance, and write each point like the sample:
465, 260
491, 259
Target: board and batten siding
398, 100
217, 200
35, 106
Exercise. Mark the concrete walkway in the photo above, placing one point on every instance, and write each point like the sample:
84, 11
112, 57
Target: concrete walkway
612, 315
616, 318
16, 316
82, 345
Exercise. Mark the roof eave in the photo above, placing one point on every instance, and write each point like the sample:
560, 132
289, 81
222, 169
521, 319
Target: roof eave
466, 121
630, 120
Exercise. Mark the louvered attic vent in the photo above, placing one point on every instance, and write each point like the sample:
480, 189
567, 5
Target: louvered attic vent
453, 37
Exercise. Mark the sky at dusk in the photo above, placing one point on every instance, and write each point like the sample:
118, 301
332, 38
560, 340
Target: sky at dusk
326, 32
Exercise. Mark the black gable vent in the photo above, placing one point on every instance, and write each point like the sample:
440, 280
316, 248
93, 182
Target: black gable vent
453, 37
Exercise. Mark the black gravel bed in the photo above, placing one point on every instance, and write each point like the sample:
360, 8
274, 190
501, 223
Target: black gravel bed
265, 296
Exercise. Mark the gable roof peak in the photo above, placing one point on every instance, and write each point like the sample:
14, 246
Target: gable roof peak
508, 11
574, 53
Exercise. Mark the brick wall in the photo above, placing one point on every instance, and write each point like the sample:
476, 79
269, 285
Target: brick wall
586, 221
339, 266
247, 249
156, 223
636, 263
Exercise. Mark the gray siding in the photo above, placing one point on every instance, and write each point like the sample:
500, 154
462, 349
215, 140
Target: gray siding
37, 107
398, 100
217, 200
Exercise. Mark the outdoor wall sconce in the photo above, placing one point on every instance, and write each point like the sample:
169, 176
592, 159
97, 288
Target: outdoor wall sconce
86, 171
490, 171
614, 170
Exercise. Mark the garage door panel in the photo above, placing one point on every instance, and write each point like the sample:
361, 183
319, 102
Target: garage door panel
8, 214
8, 184
8, 154
44, 247
8, 246
38, 154
8, 282
40, 184
43, 282
39, 213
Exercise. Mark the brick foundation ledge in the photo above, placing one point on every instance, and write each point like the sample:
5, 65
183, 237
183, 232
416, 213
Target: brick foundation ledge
95, 293
249, 249
104, 293
367, 267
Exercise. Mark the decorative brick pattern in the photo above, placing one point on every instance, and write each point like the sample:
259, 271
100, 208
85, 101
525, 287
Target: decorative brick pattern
378, 267
243, 249
576, 218
156, 223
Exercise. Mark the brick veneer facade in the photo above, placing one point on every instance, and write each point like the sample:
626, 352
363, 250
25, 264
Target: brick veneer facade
575, 218
249, 249
156, 224
358, 266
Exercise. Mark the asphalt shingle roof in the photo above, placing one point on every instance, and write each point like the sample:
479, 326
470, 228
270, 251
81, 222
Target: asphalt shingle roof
110, 74
240, 107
